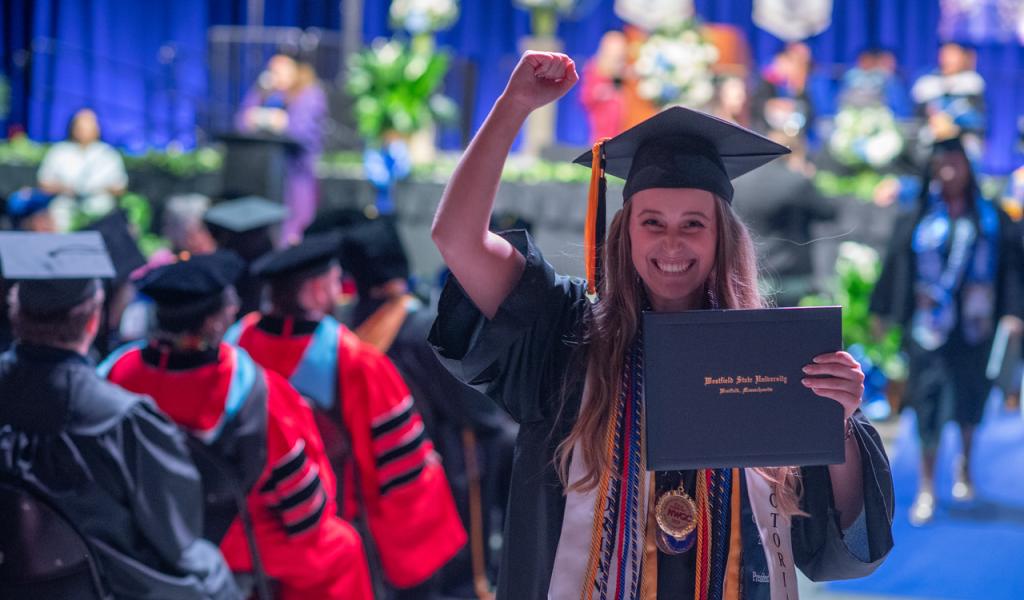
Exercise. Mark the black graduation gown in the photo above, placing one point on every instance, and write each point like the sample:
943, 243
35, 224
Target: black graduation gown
116, 466
520, 358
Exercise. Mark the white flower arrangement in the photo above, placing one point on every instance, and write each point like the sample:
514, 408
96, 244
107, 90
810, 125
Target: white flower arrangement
655, 15
564, 7
423, 16
676, 68
859, 258
866, 135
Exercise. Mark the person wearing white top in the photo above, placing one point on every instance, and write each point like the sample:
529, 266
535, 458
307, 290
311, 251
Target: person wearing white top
82, 170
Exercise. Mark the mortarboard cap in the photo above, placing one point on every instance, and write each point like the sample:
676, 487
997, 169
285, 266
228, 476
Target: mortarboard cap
124, 250
310, 257
372, 252
54, 272
244, 225
245, 214
187, 291
676, 148
341, 218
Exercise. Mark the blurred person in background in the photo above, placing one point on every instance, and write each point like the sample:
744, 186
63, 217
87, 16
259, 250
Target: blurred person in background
781, 101
252, 420
391, 480
183, 226
950, 274
780, 204
28, 209
732, 100
951, 99
473, 435
84, 172
112, 463
601, 90
288, 100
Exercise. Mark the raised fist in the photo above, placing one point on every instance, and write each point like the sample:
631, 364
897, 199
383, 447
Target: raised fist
540, 78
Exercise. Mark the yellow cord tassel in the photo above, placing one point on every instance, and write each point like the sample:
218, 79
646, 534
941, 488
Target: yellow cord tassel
590, 240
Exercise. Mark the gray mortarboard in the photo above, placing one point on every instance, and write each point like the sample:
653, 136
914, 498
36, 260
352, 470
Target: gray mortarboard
243, 225
55, 272
309, 258
124, 250
676, 148
245, 214
247, 226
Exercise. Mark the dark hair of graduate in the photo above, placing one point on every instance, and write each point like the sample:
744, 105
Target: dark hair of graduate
613, 323
53, 330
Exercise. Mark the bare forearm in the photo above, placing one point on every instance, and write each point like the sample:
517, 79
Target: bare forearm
486, 265
848, 484
464, 213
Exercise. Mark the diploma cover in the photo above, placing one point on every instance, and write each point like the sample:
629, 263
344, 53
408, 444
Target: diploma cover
722, 388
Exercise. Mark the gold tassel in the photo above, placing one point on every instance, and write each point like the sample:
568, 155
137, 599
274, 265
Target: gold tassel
593, 233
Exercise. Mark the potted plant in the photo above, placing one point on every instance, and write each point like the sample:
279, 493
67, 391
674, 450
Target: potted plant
885, 368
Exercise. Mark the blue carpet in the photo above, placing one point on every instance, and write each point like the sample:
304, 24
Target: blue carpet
971, 551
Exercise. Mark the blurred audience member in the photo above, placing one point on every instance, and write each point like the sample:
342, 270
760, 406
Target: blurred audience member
183, 224
952, 99
473, 435
252, 421
288, 100
85, 173
783, 205
28, 209
601, 86
781, 101
732, 100
952, 270
108, 459
873, 82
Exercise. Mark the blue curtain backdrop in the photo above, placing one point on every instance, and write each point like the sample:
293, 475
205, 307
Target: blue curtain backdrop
143, 65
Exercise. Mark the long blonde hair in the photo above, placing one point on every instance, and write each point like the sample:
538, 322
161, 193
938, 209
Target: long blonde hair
613, 322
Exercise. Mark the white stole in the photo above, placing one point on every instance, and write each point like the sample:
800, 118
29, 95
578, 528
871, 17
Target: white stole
774, 528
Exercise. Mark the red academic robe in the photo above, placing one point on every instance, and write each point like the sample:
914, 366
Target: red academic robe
393, 476
303, 545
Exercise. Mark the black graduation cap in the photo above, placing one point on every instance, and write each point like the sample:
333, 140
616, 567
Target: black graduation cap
310, 257
54, 272
340, 218
123, 249
372, 252
189, 290
676, 148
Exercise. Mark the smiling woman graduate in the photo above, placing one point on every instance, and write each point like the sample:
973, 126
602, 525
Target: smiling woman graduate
563, 357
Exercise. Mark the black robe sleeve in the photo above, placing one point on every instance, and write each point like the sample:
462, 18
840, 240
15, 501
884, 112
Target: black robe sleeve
514, 358
892, 297
164, 491
821, 549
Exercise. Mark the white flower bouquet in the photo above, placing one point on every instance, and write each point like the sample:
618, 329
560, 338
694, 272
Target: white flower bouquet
675, 68
423, 16
866, 136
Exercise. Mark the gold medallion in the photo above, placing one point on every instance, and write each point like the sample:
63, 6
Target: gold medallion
676, 513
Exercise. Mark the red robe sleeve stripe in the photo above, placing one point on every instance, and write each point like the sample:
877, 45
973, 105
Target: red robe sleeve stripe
400, 480
408, 442
294, 461
306, 491
306, 523
394, 418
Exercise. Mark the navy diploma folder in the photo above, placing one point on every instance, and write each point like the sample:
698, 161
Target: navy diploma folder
722, 388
